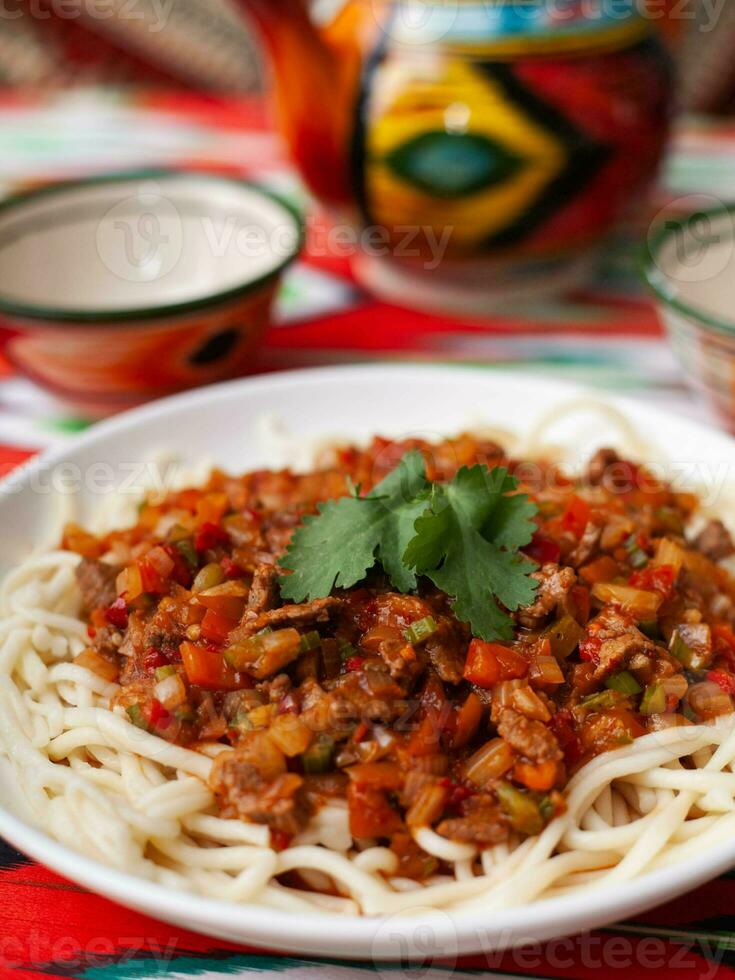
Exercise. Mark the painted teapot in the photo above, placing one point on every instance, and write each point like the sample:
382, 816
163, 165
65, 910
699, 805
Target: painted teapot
478, 149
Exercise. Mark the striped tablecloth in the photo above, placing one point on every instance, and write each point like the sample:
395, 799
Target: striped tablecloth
608, 336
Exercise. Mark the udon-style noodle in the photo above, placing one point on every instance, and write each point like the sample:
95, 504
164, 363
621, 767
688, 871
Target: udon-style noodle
130, 799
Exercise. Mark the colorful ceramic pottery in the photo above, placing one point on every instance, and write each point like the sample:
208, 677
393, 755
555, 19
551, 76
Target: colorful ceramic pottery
125, 288
478, 144
690, 265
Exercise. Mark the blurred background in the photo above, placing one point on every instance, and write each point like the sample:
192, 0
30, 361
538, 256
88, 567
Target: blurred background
92, 86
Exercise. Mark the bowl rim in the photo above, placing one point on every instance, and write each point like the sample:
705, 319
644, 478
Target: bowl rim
657, 280
54, 315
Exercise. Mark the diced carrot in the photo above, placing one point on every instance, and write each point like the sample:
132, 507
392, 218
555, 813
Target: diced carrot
575, 517
539, 776
371, 815
489, 663
208, 669
227, 599
469, 717
212, 508
603, 569
378, 775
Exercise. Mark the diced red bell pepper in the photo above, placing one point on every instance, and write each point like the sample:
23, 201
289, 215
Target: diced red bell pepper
216, 628
354, 663
724, 680
231, 568
543, 549
210, 536
589, 648
206, 667
581, 599
724, 643
654, 578
489, 663
117, 614
280, 840
562, 726
151, 580
158, 717
576, 516
153, 658
181, 572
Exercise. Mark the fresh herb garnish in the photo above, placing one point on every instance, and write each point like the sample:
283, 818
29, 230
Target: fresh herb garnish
465, 536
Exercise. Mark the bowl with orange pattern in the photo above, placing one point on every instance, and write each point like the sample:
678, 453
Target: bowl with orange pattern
118, 289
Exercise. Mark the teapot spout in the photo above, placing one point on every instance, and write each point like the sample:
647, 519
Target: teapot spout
309, 75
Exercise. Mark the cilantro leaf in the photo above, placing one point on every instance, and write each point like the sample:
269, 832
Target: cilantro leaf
339, 545
467, 543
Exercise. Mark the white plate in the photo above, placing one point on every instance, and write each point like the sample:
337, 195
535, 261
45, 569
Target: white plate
222, 424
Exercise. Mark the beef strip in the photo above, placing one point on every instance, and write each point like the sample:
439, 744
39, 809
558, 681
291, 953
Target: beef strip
482, 823
264, 590
602, 460
530, 738
447, 655
586, 545
621, 640
304, 614
555, 583
96, 581
715, 541
244, 794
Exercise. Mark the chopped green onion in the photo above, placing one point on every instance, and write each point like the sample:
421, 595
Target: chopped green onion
600, 701
346, 650
310, 641
136, 716
420, 631
185, 713
564, 636
624, 683
318, 757
546, 807
638, 558
242, 721
181, 539
689, 713
208, 577
521, 809
653, 701
691, 645
168, 670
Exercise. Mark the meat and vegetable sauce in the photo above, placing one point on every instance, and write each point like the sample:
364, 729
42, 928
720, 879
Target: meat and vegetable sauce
383, 697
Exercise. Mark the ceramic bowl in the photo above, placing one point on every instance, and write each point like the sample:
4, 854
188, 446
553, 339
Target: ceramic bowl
689, 263
118, 289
